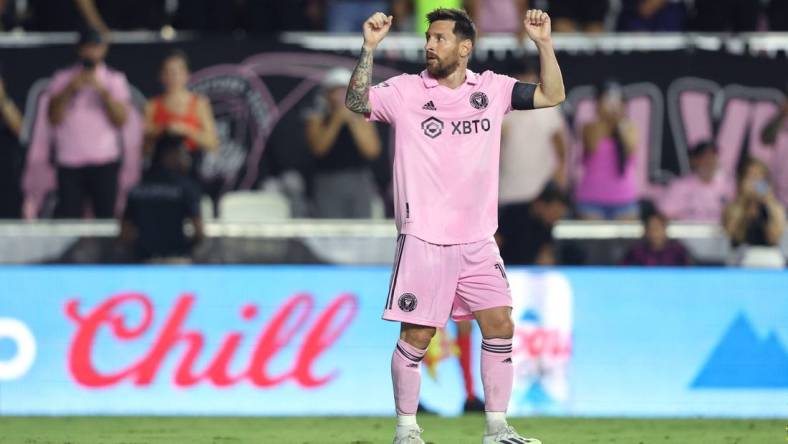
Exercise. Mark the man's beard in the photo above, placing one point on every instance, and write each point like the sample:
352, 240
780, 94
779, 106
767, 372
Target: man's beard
440, 71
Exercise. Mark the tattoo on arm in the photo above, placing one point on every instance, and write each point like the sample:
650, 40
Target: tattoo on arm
357, 98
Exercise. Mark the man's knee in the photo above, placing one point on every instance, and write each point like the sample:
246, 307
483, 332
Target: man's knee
418, 336
496, 323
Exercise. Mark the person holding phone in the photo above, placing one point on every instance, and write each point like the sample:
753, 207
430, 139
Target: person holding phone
755, 221
608, 189
774, 136
88, 103
343, 145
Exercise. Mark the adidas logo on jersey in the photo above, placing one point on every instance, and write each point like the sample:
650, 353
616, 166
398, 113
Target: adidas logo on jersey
429, 106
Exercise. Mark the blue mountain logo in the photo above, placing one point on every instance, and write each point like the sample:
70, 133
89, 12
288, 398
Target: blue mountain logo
743, 361
531, 316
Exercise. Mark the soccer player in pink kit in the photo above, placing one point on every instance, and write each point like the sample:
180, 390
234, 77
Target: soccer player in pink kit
447, 123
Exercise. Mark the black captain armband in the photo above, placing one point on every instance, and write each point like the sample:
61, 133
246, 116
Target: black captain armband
523, 95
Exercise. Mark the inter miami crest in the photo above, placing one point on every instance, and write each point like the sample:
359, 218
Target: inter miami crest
407, 302
479, 100
432, 127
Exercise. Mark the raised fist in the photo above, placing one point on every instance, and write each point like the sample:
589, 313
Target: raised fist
537, 25
375, 29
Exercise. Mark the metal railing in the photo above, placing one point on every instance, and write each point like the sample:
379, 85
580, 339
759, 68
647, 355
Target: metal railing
410, 46
307, 228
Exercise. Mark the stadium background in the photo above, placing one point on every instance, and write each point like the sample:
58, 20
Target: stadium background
82, 335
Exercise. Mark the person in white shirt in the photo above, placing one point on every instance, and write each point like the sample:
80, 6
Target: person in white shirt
533, 151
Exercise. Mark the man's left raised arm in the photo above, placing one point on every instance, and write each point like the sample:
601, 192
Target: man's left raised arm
550, 92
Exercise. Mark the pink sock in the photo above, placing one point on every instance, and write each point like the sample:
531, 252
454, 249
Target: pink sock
497, 373
406, 376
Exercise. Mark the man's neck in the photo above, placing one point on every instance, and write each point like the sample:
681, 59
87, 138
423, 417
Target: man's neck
454, 80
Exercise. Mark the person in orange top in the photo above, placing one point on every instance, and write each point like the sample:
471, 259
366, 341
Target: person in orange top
178, 111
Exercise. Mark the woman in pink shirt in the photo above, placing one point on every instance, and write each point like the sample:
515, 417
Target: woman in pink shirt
608, 188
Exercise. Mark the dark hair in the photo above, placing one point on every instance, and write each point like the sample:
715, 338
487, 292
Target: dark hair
463, 25
90, 36
553, 193
175, 54
648, 209
606, 87
166, 143
702, 147
745, 164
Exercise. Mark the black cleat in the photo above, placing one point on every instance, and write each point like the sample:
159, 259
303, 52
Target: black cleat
473, 405
424, 410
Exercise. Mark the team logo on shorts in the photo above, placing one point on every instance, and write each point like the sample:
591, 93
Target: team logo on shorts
479, 100
407, 302
432, 127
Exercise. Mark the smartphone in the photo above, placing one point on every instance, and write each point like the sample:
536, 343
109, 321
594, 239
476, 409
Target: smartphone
88, 64
762, 187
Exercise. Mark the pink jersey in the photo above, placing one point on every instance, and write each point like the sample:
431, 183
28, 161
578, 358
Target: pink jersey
691, 199
446, 153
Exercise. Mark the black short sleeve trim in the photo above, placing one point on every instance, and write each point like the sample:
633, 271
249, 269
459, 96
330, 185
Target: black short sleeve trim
523, 95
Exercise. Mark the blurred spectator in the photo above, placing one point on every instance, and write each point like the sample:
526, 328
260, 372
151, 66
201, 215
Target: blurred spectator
159, 206
498, 15
343, 144
702, 195
755, 219
725, 15
608, 188
411, 15
180, 112
10, 156
656, 248
775, 136
88, 104
578, 15
533, 149
350, 15
652, 15
9, 19
525, 235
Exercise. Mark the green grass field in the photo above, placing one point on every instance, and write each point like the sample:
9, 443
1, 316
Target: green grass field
133, 430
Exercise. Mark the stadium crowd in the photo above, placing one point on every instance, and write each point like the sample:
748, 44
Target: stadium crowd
87, 114
265, 16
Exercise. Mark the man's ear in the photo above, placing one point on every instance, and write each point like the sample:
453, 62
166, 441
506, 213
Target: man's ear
466, 48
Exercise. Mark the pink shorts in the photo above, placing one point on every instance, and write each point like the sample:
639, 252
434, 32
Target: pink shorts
429, 282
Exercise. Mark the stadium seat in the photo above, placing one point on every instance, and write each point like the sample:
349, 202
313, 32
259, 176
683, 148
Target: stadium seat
206, 208
378, 208
251, 206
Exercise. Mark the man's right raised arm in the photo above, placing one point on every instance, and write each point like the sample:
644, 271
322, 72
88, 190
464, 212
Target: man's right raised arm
375, 29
